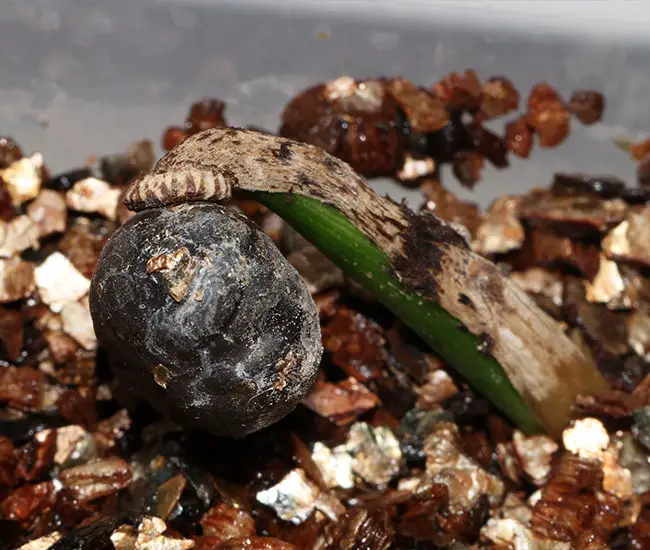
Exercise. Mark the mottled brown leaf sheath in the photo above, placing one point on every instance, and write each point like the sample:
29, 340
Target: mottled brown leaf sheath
427, 255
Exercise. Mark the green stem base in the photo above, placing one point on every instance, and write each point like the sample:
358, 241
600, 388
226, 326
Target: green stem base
359, 258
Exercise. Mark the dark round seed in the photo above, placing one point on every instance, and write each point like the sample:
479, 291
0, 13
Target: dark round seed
202, 316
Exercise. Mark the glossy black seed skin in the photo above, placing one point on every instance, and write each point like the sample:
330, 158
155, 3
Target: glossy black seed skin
227, 340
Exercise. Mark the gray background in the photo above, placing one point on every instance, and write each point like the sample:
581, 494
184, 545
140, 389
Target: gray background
83, 77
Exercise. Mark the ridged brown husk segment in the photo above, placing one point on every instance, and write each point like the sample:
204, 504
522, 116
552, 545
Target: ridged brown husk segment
425, 253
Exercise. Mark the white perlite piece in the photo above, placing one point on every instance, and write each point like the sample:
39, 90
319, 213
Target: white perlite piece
342, 86
375, 451
335, 467
78, 323
632, 457
51, 394
294, 498
42, 543
17, 235
514, 508
149, 537
629, 239
535, 453
517, 536
16, 279
74, 445
49, 212
607, 284
438, 387
366, 96
414, 168
587, 438
23, 178
328, 504
446, 463
94, 195
410, 484
615, 244
616, 479
501, 231
59, 282
534, 498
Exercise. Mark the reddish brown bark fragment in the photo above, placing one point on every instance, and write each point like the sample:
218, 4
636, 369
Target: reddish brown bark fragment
587, 105
225, 522
97, 478
499, 97
22, 387
519, 137
27, 501
35, 458
356, 344
11, 332
547, 115
459, 90
341, 402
